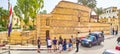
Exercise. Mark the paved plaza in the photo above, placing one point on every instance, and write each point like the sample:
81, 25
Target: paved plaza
109, 43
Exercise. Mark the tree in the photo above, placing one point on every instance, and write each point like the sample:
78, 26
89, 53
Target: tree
4, 16
35, 7
90, 3
26, 9
98, 11
43, 12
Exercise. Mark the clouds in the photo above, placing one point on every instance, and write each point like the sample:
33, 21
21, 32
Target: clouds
108, 3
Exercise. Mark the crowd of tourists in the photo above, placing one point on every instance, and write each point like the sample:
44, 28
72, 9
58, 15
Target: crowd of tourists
60, 44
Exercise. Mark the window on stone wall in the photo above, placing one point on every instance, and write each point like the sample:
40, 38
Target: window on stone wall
78, 19
47, 22
109, 11
113, 10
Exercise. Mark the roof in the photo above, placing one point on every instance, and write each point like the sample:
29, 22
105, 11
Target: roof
96, 32
72, 5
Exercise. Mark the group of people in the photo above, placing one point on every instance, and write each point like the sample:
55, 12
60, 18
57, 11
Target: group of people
114, 32
60, 44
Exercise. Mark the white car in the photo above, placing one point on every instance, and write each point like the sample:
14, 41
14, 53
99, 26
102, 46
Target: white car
111, 51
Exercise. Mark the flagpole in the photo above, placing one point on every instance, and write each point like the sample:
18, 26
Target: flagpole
8, 29
9, 20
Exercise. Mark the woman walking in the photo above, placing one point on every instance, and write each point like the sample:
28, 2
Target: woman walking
70, 45
49, 45
54, 44
64, 45
60, 44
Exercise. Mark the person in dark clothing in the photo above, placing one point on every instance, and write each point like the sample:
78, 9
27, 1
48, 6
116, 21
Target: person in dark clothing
60, 40
77, 44
118, 39
54, 44
60, 44
70, 45
64, 45
113, 31
102, 32
116, 32
39, 43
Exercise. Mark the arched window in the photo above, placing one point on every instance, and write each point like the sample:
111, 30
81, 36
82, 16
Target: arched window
47, 22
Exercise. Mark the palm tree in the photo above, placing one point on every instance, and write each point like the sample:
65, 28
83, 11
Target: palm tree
28, 9
98, 11
18, 13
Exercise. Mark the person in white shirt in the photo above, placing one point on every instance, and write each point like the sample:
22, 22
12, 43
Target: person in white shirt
49, 45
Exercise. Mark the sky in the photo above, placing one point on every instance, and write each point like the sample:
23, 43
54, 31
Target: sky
49, 5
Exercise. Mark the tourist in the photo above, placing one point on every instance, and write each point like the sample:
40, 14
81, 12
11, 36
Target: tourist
39, 43
89, 32
113, 31
70, 45
49, 45
118, 39
47, 41
102, 32
60, 48
60, 44
64, 45
72, 39
77, 44
54, 44
116, 32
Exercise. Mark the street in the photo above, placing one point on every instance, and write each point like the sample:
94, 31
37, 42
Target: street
109, 43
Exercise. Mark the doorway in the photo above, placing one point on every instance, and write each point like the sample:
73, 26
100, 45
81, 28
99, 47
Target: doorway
47, 34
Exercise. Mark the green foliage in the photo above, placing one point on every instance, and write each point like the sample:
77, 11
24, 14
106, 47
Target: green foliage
31, 27
43, 12
26, 9
4, 16
90, 3
98, 11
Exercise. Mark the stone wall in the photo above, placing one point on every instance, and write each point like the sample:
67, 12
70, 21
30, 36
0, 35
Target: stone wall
17, 37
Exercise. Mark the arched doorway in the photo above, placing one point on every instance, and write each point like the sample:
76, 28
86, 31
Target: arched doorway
47, 34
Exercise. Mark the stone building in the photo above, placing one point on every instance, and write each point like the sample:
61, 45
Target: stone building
111, 15
67, 19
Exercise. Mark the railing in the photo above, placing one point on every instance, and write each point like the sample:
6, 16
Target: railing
5, 49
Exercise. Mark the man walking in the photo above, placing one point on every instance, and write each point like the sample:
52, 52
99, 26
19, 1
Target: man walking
39, 44
77, 44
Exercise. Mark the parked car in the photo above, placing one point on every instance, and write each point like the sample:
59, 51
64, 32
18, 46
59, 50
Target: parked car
94, 38
117, 48
2, 45
111, 51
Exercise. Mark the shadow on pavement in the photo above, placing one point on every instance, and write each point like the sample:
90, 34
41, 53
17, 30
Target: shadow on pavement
96, 47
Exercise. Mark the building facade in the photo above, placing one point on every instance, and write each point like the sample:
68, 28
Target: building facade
67, 19
111, 15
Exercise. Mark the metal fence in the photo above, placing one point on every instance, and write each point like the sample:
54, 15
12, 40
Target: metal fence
5, 50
